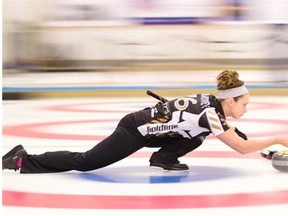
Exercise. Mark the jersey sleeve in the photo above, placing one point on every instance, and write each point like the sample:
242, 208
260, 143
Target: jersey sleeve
217, 122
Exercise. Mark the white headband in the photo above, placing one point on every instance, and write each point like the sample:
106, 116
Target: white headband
233, 92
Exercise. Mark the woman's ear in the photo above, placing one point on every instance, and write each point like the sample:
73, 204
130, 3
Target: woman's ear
230, 101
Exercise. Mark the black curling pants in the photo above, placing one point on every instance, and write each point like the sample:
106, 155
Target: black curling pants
173, 148
124, 141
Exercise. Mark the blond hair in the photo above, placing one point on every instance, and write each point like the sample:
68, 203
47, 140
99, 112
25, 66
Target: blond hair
228, 79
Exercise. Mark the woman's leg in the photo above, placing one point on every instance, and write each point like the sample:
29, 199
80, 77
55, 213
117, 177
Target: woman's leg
120, 144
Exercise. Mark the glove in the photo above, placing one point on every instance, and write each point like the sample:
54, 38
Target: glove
267, 154
241, 134
163, 108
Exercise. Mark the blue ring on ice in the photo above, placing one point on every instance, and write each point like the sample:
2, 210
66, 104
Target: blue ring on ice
152, 176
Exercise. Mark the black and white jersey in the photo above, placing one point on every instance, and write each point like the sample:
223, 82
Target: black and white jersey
194, 116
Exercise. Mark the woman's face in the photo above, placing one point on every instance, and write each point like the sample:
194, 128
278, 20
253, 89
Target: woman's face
236, 109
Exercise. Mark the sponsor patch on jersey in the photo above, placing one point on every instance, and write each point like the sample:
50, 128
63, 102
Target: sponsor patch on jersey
156, 128
205, 102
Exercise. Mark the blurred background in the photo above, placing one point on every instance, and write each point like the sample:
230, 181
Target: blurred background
80, 43
59, 57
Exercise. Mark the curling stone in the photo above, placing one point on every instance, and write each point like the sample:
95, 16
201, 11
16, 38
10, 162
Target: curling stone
280, 161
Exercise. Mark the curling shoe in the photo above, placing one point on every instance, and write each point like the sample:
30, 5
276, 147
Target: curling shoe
170, 166
12, 160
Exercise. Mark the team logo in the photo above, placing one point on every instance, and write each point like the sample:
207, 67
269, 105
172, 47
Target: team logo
183, 103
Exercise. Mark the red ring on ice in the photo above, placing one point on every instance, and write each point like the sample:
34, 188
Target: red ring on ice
30, 130
78, 107
42, 200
